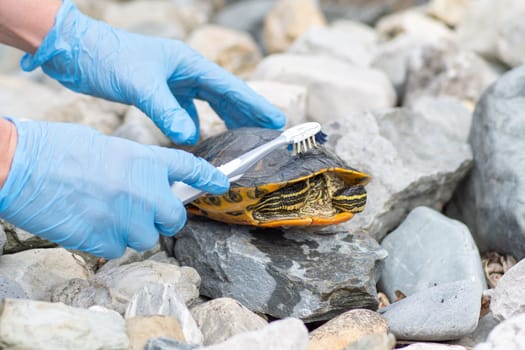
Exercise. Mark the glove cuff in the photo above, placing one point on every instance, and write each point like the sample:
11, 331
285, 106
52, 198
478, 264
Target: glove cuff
54, 42
16, 178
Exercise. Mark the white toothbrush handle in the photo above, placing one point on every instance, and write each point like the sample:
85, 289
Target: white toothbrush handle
188, 194
185, 192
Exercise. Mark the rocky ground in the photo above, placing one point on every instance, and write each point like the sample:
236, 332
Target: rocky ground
427, 97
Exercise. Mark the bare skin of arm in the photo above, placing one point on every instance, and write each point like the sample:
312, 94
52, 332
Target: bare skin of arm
23, 24
8, 140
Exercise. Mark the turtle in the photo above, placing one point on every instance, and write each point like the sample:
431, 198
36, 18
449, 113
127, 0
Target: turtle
282, 189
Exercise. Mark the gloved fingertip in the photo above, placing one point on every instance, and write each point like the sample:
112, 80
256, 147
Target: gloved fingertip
171, 220
219, 183
182, 130
277, 120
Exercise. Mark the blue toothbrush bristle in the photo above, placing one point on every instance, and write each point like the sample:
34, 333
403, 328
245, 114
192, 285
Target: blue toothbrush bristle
321, 138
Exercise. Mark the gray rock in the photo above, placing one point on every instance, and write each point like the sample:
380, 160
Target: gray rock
58, 326
114, 288
38, 271
434, 346
162, 299
163, 343
490, 200
234, 50
445, 312
445, 69
3, 239
81, 293
246, 16
124, 281
163, 257
364, 11
286, 334
508, 298
428, 249
508, 335
485, 325
511, 50
374, 342
450, 12
281, 30
9, 59
392, 58
413, 22
155, 17
221, 318
483, 22
325, 78
434, 108
10, 289
294, 273
129, 256
412, 158
139, 128
327, 41
19, 240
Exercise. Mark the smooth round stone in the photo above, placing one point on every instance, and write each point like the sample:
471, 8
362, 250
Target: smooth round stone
10, 289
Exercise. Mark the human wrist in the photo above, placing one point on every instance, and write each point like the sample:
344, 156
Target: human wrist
25, 23
8, 142
62, 40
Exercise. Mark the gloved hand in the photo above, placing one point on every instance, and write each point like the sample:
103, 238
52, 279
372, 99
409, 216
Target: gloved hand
84, 190
159, 76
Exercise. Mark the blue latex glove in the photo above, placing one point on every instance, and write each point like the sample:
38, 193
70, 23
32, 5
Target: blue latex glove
159, 76
97, 193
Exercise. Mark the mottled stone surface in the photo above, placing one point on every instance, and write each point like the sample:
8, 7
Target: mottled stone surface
142, 328
445, 312
114, 288
412, 158
368, 11
287, 20
429, 249
508, 298
483, 23
331, 95
490, 200
18, 240
346, 329
508, 335
451, 12
58, 326
163, 343
82, 293
293, 273
38, 271
412, 22
222, 318
10, 289
162, 299
3, 239
446, 69
485, 325
327, 41
234, 50
286, 334
375, 341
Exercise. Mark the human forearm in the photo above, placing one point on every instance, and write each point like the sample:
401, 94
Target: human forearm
8, 140
25, 23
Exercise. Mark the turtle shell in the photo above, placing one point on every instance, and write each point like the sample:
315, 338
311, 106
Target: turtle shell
282, 189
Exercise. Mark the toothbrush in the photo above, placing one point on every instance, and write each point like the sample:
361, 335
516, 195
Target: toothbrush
300, 138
